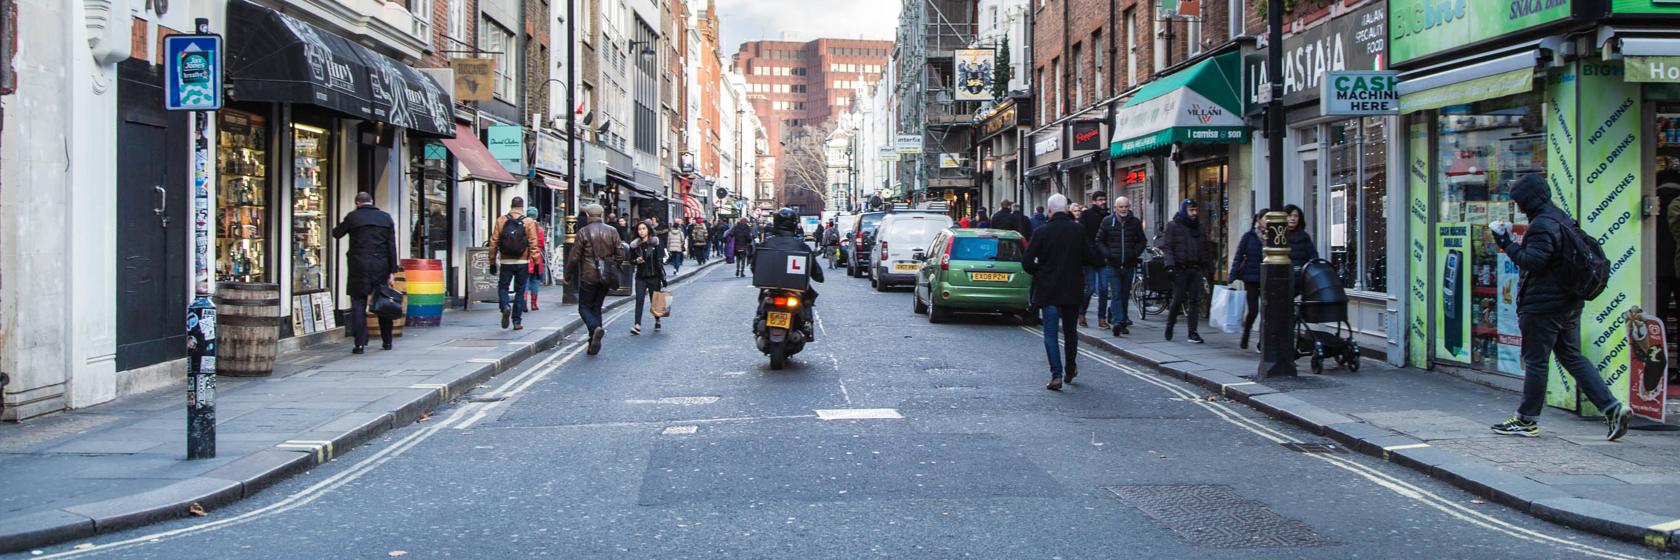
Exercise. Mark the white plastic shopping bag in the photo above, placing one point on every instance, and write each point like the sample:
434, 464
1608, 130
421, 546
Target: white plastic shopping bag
1236, 305
1216, 312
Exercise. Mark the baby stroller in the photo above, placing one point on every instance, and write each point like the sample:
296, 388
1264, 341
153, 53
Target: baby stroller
1322, 300
1152, 289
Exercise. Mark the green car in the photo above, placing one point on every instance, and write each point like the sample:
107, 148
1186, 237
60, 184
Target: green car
972, 270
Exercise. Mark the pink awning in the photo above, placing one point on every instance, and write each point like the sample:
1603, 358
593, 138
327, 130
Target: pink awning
476, 158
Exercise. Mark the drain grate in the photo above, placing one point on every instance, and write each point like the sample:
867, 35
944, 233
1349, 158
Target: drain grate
1305, 447
1214, 516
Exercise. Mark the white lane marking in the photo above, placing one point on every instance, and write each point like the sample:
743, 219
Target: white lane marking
844, 394
859, 414
467, 413
684, 401
820, 327
1389, 482
1406, 446
525, 379
680, 430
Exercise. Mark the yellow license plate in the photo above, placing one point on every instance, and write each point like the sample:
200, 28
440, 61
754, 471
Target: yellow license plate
779, 320
905, 267
989, 276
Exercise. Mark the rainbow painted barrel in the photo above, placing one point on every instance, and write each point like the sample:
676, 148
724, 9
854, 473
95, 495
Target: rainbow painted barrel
425, 291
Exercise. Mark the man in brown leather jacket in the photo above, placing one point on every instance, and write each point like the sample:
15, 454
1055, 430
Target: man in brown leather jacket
597, 250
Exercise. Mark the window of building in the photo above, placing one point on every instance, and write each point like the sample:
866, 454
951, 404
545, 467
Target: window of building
1043, 98
1237, 15
1097, 65
1131, 47
458, 24
1354, 224
1193, 37
799, 71
422, 12
493, 38
1161, 45
1056, 70
1078, 77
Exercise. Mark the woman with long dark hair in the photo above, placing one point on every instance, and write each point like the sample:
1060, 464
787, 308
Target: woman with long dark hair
650, 270
1301, 246
1245, 266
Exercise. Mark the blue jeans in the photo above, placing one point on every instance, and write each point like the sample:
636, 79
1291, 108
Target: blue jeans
519, 275
1096, 282
1547, 335
676, 261
1064, 314
590, 298
1120, 293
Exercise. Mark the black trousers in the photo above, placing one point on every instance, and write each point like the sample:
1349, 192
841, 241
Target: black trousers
1186, 297
1251, 290
358, 323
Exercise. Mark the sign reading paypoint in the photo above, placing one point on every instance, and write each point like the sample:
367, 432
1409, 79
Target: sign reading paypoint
1360, 93
1418, 28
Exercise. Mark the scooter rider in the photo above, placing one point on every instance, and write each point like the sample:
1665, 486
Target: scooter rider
785, 235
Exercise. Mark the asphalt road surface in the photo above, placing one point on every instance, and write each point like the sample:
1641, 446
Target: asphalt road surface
888, 437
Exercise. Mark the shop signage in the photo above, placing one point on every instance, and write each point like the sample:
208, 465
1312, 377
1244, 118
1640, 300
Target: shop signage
1648, 382
1417, 252
1360, 93
999, 120
474, 78
551, 153
888, 153
1179, 8
974, 74
950, 160
1610, 142
507, 144
908, 144
436, 151
1047, 141
1353, 41
1645, 6
1452, 308
1086, 136
1661, 69
1563, 139
192, 74
1419, 28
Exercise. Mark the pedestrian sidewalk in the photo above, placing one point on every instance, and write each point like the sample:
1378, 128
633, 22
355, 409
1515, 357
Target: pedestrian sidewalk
123, 464
1438, 424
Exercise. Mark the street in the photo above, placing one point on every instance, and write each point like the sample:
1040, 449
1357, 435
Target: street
682, 444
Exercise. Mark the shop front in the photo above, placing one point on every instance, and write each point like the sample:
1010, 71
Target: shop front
1042, 177
313, 119
999, 155
1085, 168
1189, 125
1595, 125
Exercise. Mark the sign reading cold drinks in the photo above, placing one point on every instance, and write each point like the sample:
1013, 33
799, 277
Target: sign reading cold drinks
1360, 93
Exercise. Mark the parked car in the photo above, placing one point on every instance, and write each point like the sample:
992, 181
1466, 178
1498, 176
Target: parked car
972, 270
899, 237
863, 239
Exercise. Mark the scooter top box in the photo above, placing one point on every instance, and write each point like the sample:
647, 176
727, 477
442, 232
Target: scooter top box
778, 268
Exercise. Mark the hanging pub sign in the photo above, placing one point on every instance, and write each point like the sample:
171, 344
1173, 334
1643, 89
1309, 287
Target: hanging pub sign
192, 75
1360, 93
474, 78
974, 74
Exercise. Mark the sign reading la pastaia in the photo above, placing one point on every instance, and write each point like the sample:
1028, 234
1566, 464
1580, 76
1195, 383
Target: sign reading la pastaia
1418, 28
1360, 93
192, 74
1353, 41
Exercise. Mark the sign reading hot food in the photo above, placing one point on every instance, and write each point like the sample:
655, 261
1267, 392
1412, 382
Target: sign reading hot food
974, 74
1086, 136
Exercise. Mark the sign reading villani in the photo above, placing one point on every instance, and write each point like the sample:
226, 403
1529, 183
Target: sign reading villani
192, 74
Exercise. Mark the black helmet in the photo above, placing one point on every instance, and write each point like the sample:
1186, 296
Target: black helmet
786, 221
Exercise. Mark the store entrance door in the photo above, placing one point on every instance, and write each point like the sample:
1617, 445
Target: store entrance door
152, 222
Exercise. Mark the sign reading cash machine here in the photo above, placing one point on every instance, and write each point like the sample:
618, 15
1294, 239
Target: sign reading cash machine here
1360, 93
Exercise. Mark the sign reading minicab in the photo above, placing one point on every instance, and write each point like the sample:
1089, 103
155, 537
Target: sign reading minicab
1418, 28
1360, 93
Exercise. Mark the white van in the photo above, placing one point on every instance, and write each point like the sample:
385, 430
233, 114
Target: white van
899, 237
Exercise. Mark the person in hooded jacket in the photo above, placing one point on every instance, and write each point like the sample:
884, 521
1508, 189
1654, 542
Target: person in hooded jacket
1548, 313
372, 257
1185, 248
1057, 257
1245, 266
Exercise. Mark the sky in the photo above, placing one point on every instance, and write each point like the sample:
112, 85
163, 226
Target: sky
803, 20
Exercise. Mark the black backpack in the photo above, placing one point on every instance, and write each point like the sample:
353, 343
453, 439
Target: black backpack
512, 242
1585, 271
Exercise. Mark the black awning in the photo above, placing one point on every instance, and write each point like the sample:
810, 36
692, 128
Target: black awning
636, 190
276, 57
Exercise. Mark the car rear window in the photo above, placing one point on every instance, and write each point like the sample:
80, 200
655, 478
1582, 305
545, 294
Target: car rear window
987, 249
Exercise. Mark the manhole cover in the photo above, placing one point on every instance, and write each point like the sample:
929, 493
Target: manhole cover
1214, 516
1305, 447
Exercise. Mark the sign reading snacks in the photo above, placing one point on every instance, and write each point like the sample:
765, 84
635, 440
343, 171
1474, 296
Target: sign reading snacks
1197, 105
192, 73
1360, 93
1418, 28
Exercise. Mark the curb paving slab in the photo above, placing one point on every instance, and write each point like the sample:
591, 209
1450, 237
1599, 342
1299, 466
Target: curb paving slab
1507, 488
245, 476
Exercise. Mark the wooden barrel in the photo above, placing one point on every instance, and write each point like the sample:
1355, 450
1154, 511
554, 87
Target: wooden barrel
425, 291
247, 328
396, 326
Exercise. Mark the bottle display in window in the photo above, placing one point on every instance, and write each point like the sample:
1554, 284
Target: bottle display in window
310, 171
242, 197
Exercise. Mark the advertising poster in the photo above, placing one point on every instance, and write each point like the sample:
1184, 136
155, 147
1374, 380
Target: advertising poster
1562, 138
1648, 368
1610, 209
1417, 244
1452, 310
974, 74
1422, 27
1507, 285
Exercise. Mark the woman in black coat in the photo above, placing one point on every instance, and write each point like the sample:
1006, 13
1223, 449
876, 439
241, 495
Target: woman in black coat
372, 263
646, 255
1246, 267
1302, 250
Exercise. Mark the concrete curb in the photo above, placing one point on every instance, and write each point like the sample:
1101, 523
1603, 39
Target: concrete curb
1515, 491
247, 476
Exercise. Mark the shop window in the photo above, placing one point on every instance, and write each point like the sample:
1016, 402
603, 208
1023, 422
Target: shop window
311, 169
1481, 150
429, 203
1206, 183
1356, 197
242, 197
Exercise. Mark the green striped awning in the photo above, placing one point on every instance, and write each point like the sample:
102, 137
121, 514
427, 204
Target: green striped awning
1198, 104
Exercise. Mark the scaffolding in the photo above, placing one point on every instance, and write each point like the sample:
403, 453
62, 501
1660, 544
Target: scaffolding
928, 36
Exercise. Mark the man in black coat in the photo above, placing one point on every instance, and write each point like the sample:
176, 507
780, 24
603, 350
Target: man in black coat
1185, 248
1007, 218
1057, 258
372, 262
1120, 239
1549, 315
1096, 275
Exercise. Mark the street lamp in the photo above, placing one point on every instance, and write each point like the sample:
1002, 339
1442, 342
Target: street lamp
647, 49
1277, 282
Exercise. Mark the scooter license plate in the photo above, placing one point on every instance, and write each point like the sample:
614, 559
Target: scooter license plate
779, 320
